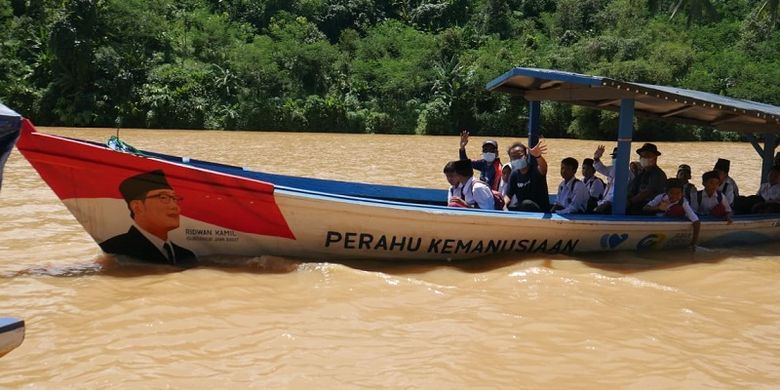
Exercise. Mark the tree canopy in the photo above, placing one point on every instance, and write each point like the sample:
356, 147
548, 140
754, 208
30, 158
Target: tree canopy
376, 66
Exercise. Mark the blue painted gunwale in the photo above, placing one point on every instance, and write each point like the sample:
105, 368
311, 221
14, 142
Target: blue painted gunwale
408, 198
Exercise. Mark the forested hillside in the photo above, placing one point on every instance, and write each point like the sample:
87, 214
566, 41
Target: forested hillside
376, 66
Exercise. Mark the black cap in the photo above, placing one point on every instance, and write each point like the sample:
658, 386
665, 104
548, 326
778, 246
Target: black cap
614, 152
136, 187
490, 142
722, 165
648, 147
673, 183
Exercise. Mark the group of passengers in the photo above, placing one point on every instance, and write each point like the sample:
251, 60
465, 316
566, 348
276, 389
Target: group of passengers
521, 185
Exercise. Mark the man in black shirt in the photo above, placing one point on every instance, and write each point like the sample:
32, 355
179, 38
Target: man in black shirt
650, 181
528, 183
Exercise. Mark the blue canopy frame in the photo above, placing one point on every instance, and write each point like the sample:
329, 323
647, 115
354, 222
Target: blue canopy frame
649, 101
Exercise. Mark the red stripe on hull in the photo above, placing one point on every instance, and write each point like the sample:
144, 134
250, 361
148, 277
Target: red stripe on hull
76, 169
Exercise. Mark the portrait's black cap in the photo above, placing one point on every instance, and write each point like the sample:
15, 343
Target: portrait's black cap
648, 147
614, 152
722, 165
136, 187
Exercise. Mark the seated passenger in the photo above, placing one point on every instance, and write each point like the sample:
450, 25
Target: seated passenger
572, 194
770, 193
684, 176
489, 165
527, 188
593, 184
634, 169
604, 206
506, 170
455, 192
710, 201
475, 194
727, 185
518, 151
673, 204
649, 183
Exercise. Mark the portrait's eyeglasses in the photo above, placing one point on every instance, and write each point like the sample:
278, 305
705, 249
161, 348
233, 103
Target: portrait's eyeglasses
166, 199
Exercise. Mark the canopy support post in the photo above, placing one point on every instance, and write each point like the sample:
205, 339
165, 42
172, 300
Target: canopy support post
756, 145
534, 115
625, 135
768, 157
766, 153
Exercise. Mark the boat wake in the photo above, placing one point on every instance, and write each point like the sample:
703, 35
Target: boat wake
125, 267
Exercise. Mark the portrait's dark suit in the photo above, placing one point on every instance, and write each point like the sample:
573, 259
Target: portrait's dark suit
134, 244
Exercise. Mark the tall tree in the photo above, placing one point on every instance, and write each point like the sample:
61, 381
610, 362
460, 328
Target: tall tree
698, 10
769, 7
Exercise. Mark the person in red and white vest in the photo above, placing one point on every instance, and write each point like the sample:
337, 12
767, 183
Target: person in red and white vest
710, 201
672, 203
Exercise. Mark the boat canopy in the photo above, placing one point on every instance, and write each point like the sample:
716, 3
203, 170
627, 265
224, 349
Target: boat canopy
673, 104
649, 101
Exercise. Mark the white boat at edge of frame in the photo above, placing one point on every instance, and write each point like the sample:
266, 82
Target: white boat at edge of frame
11, 334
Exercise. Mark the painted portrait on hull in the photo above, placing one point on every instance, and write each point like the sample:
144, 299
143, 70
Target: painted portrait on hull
155, 209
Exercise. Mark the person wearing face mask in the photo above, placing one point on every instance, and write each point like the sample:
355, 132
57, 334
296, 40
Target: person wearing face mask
649, 183
489, 165
527, 187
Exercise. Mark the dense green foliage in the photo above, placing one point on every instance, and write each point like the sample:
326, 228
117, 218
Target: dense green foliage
378, 66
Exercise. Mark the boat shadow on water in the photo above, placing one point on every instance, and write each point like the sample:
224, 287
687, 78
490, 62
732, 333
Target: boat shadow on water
635, 262
108, 265
618, 262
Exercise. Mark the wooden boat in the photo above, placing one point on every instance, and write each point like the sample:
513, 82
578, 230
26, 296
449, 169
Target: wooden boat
11, 334
232, 211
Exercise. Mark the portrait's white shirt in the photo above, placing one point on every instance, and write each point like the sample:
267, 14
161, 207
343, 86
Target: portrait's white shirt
158, 243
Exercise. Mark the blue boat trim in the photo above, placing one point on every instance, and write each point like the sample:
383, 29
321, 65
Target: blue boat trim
582, 218
360, 190
409, 198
